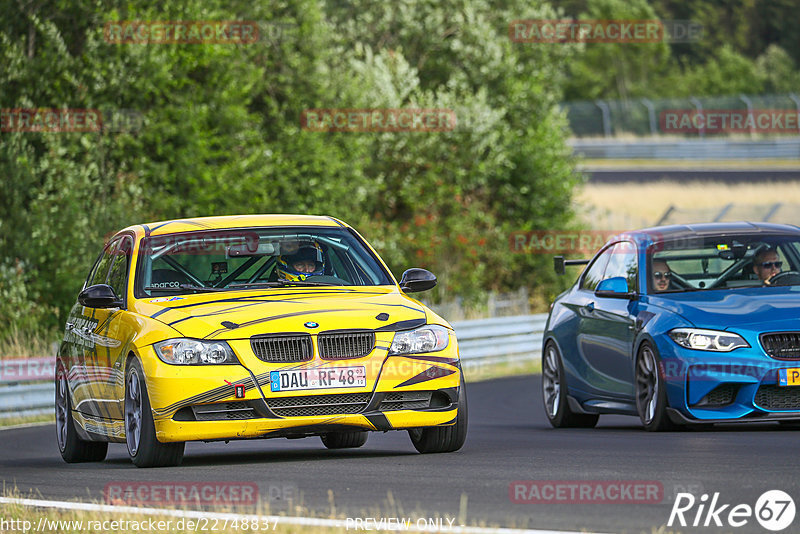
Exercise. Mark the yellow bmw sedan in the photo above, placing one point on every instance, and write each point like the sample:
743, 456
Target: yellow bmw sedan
254, 326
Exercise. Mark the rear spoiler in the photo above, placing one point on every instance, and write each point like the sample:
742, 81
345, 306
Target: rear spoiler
559, 263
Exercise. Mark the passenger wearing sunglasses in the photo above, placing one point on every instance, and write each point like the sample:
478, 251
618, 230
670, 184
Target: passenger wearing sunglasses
766, 264
661, 275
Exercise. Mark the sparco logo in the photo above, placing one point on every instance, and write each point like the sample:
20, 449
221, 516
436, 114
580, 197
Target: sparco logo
774, 510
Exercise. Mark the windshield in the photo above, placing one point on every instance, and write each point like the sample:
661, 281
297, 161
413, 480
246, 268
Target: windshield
730, 262
245, 258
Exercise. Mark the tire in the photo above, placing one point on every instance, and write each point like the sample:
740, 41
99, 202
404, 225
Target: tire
344, 440
72, 448
444, 438
144, 448
554, 394
651, 392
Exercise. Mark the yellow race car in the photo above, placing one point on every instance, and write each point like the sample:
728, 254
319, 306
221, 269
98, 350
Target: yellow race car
255, 326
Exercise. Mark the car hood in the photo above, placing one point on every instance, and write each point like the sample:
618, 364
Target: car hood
748, 308
248, 313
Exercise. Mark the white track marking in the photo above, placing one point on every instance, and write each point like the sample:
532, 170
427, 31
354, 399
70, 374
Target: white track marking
273, 519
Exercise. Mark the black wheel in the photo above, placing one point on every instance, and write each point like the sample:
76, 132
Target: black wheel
140, 432
344, 440
444, 438
554, 392
73, 449
651, 393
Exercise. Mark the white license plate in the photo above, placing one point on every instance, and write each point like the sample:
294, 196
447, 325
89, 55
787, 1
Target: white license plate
329, 377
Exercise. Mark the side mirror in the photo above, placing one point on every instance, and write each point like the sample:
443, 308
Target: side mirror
99, 296
415, 280
615, 288
560, 264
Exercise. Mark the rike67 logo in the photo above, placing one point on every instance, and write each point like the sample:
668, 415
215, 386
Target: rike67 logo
774, 510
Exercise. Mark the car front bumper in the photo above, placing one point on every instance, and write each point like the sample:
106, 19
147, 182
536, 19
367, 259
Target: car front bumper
743, 384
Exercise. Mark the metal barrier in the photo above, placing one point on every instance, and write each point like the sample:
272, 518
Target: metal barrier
687, 149
27, 386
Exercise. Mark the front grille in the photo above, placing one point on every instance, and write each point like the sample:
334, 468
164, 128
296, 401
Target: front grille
345, 345
719, 396
282, 349
782, 346
308, 405
223, 411
408, 400
778, 398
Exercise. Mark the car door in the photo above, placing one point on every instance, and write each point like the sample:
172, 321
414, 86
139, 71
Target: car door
79, 338
573, 311
608, 327
113, 335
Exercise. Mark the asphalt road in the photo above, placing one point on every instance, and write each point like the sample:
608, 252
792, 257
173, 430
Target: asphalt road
509, 440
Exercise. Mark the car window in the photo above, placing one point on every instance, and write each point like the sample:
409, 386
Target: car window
728, 261
99, 273
118, 275
251, 257
622, 262
594, 273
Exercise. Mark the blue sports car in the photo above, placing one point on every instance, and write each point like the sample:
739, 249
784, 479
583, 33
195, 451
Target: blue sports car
679, 325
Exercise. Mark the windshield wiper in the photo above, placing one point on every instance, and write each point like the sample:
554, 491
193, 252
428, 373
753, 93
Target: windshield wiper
283, 283
187, 287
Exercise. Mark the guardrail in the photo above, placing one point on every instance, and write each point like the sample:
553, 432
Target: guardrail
687, 149
27, 386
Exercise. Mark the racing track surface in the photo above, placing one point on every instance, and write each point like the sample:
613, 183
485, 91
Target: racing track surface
509, 439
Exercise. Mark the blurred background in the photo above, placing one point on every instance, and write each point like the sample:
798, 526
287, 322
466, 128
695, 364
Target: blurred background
556, 136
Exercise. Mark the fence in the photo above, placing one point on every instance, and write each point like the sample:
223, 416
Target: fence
481, 342
643, 116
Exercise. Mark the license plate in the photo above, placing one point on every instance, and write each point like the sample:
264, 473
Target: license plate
329, 377
789, 377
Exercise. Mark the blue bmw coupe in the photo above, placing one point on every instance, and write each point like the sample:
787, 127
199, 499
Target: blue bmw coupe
679, 325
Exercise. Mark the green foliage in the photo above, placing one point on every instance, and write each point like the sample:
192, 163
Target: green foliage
220, 134
747, 47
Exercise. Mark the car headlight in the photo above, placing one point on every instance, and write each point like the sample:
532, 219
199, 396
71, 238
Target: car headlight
194, 352
714, 340
428, 338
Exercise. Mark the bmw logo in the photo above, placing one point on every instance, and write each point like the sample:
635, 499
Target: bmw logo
311, 324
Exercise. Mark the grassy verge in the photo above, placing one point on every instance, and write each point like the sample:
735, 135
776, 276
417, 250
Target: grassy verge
483, 372
632, 205
16, 344
29, 420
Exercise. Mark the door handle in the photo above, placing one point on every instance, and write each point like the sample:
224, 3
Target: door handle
590, 307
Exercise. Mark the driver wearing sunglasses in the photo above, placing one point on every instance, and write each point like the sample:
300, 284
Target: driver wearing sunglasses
767, 264
661, 275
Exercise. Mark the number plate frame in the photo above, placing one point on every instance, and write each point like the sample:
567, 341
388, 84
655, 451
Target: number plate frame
318, 378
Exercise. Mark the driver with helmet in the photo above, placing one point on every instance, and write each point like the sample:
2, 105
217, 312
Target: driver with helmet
304, 261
